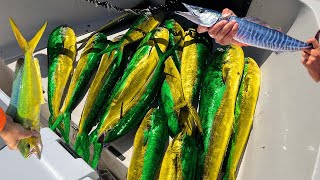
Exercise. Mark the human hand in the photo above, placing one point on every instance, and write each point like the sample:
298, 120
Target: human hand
13, 132
311, 59
224, 31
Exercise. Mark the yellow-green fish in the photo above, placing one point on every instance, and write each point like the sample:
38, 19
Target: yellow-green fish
61, 55
180, 159
171, 90
244, 112
195, 53
111, 67
232, 69
149, 145
27, 92
135, 92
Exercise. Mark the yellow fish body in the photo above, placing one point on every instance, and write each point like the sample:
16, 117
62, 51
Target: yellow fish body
27, 93
232, 69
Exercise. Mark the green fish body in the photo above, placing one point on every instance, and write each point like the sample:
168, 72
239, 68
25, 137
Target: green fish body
89, 60
195, 53
180, 158
212, 91
172, 95
171, 90
61, 55
134, 93
112, 64
27, 92
232, 69
244, 112
149, 145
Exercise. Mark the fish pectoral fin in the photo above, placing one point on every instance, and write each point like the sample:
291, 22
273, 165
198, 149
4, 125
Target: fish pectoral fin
24, 45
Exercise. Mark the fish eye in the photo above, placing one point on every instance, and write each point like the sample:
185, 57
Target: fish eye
201, 11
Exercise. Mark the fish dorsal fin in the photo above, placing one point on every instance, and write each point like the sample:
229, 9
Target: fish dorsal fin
257, 21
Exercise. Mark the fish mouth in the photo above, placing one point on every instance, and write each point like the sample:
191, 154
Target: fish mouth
190, 15
190, 8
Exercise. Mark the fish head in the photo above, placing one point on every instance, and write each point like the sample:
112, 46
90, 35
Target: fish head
201, 16
30, 146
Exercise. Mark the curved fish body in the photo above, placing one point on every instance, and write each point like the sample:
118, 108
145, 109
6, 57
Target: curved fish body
135, 92
244, 112
172, 95
149, 145
27, 95
195, 53
100, 88
112, 64
171, 90
212, 91
180, 158
61, 55
232, 69
250, 32
89, 60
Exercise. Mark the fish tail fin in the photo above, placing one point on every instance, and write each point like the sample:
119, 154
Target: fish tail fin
66, 125
21, 40
35, 40
97, 142
82, 146
96, 154
50, 121
24, 45
63, 127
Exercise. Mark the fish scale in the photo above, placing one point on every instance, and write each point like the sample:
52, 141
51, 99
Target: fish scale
271, 37
250, 32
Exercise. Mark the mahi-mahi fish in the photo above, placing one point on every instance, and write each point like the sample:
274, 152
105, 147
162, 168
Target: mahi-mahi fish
27, 94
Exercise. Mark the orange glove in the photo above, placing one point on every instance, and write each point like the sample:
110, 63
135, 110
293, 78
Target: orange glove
3, 119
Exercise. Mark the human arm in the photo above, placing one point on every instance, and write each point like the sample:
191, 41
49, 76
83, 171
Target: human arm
311, 60
12, 132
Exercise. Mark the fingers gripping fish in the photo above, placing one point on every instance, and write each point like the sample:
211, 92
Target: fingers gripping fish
250, 32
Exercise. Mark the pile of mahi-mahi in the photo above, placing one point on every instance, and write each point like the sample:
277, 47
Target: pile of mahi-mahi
156, 77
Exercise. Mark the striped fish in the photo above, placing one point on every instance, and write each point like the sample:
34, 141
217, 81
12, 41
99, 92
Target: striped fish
251, 31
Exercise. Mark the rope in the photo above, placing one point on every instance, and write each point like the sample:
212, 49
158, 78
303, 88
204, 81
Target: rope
153, 10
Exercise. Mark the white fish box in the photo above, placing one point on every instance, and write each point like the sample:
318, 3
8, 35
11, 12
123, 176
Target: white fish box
57, 161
